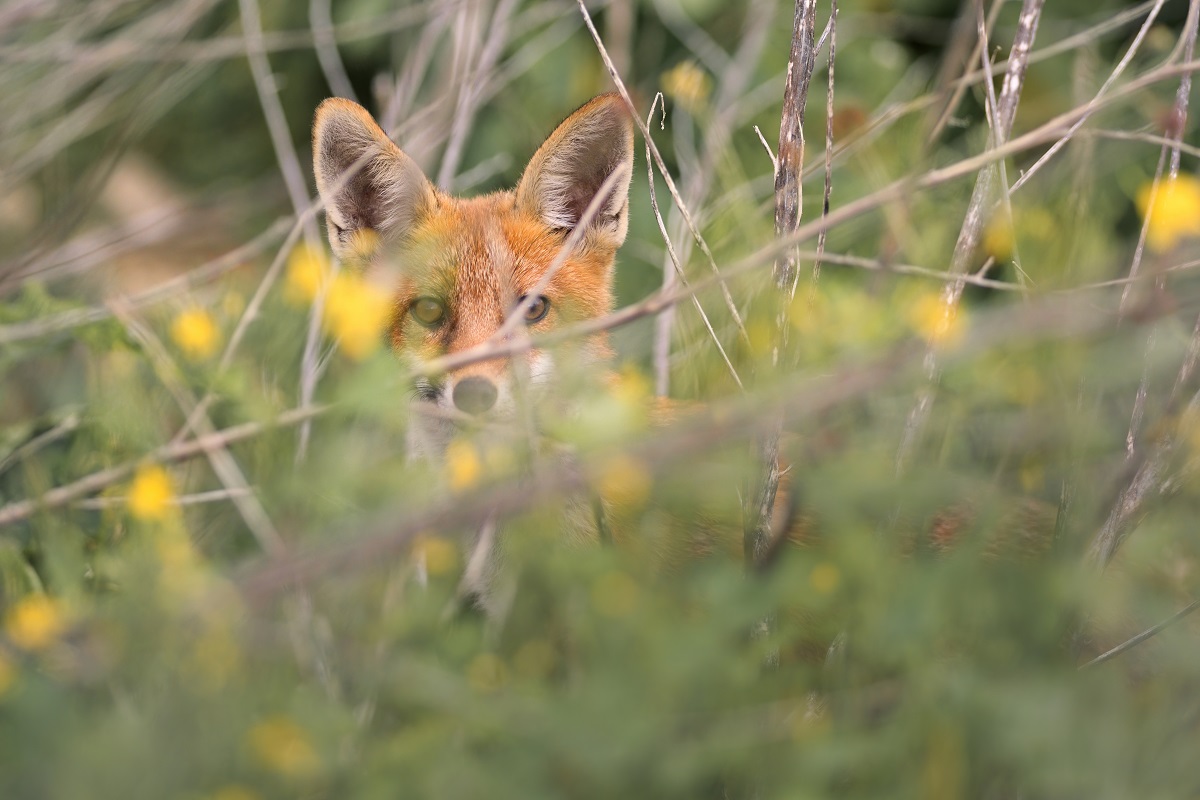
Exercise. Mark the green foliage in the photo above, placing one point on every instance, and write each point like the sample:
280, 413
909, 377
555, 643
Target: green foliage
279, 614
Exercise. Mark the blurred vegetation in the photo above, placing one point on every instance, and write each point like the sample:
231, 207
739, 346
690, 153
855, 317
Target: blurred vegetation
156, 638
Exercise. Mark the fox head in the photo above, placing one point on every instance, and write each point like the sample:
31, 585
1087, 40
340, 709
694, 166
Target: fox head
464, 265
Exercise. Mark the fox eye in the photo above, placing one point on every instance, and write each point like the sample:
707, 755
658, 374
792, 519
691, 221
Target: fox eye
537, 310
428, 311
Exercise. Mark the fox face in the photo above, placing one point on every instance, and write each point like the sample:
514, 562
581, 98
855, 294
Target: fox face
463, 266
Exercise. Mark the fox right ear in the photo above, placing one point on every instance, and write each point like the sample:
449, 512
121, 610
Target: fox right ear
367, 183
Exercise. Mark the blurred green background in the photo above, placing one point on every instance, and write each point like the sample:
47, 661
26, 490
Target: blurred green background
150, 265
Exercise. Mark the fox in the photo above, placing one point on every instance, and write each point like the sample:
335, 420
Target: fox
467, 264
463, 266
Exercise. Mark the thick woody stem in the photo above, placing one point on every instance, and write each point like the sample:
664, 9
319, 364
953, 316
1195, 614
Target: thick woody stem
789, 169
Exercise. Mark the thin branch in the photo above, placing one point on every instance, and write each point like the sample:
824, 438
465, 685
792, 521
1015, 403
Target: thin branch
62, 495
1134, 641
662, 339
470, 93
320, 22
220, 459
76, 317
662, 167
824, 232
977, 213
194, 499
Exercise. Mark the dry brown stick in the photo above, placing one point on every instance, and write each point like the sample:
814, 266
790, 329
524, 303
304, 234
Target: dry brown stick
1150, 474
824, 232
662, 167
297, 186
320, 22
127, 49
727, 101
1134, 641
764, 482
662, 340
20, 510
223, 464
76, 317
959, 88
471, 91
975, 219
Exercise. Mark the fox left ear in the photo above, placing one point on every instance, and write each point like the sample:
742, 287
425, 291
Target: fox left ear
368, 184
568, 171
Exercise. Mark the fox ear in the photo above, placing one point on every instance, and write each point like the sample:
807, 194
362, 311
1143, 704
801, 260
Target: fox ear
367, 183
568, 171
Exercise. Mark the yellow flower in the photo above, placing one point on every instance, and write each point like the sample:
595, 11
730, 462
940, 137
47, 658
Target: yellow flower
1171, 213
687, 84
356, 312
196, 333
282, 746
935, 320
440, 555
307, 271
463, 468
624, 481
152, 494
824, 578
35, 622
998, 238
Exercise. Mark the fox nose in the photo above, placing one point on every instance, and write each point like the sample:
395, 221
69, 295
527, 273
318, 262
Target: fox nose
474, 395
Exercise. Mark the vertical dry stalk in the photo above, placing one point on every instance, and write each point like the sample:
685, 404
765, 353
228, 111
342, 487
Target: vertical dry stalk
821, 237
718, 128
788, 205
976, 218
1151, 476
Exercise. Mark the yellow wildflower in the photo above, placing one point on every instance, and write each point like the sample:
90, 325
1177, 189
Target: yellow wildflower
624, 481
307, 271
825, 577
282, 746
614, 594
687, 84
935, 320
1172, 212
440, 555
35, 622
152, 494
356, 312
196, 334
463, 467
998, 238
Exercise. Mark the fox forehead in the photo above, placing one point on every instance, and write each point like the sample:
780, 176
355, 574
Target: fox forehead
479, 255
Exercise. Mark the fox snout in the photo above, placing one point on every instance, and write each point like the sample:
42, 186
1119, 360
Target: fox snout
474, 395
